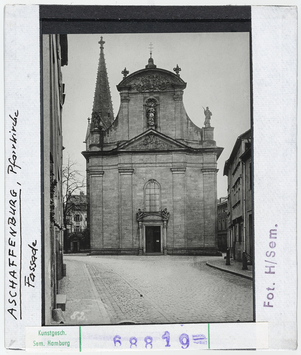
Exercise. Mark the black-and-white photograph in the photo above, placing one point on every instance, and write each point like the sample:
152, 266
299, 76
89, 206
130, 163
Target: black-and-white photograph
150, 178
148, 146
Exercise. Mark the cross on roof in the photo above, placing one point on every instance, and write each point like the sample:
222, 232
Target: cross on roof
177, 69
125, 73
101, 42
151, 49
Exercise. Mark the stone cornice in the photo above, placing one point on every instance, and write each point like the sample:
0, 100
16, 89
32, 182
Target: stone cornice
209, 170
125, 171
178, 170
115, 151
96, 172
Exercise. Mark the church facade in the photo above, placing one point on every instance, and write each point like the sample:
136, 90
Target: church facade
151, 172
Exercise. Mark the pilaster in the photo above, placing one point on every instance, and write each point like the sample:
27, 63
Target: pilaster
179, 196
140, 226
124, 114
126, 207
178, 100
164, 237
96, 208
210, 206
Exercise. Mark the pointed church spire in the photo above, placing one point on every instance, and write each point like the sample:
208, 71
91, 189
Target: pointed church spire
102, 113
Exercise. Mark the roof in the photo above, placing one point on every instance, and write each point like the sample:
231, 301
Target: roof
245, 135
246, 154
151, 78
169, 145
102, 105
222, 201
78, 199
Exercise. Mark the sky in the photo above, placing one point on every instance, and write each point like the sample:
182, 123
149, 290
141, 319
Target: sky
215, 66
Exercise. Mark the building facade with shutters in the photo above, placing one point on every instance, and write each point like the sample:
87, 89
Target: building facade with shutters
151, 172
222, 219
238, 169
77, 235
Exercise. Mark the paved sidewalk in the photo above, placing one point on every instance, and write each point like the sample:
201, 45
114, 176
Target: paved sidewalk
235, 267
83, 305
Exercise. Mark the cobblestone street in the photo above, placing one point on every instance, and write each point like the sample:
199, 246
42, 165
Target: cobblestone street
152, 289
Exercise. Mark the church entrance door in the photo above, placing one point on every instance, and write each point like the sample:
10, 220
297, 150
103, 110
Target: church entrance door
153, 239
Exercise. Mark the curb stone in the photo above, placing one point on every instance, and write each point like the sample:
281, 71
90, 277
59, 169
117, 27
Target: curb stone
229, 271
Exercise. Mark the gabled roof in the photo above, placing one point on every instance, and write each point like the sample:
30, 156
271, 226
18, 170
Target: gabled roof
151, 140
245, 135
78, 199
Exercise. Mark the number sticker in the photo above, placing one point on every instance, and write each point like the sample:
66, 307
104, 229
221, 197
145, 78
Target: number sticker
166, 336
148, 341
184, 340
133, 341
117, 340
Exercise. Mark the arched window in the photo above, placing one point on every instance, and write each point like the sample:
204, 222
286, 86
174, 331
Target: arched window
152, 196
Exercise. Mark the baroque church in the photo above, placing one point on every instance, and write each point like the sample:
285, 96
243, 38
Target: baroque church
151, 172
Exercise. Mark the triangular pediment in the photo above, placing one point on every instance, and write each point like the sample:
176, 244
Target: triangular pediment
152, 140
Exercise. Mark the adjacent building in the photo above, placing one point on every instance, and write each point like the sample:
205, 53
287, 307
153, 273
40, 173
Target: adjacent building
222, 217
151, 172
76, 234
54, 57
238, 169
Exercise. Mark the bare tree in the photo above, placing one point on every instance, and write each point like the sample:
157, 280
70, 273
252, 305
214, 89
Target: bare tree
73, 183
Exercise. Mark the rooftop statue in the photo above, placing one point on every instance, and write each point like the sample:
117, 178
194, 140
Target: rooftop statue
208, 115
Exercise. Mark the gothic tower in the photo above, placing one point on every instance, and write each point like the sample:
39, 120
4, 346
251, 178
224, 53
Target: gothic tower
102, 112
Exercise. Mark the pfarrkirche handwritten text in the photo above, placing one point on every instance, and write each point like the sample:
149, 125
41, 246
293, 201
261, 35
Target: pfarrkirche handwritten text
13, 167
14, 238
270, 266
